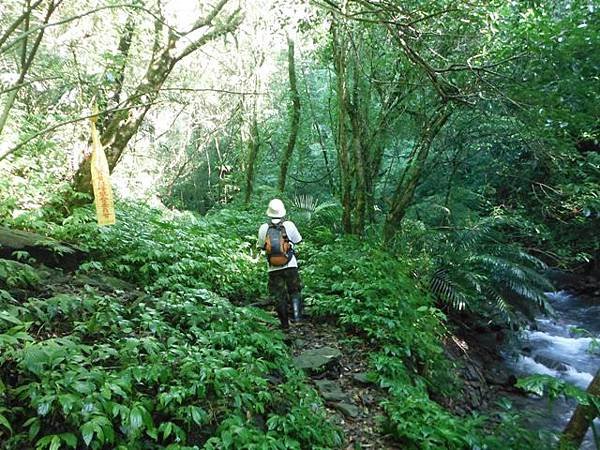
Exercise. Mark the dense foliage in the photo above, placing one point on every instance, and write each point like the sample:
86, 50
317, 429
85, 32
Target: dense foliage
172, 364
439, 157
175, 364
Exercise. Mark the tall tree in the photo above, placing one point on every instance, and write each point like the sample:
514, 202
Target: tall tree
170, 47
340, 52
294, 116
407, 184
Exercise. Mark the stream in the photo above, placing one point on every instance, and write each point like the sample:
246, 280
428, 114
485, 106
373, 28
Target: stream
553, 348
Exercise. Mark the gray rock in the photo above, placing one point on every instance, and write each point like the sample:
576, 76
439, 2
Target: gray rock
499, 376
299, 343
347, 409
330, 390
317, 359
362, 378
472, 373
366, 399
103, 282
42, 248
551, 363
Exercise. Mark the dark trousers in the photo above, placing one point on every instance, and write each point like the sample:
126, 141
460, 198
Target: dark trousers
283, 284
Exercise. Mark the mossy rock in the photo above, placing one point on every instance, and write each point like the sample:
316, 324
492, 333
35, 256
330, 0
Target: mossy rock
318, 359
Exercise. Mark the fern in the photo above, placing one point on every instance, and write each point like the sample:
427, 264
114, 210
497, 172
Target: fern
479, 268
447, 289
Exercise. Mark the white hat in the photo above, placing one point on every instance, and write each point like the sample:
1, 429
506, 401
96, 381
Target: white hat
276, 210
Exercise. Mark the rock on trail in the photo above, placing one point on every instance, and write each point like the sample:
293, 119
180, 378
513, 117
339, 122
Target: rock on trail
338, 367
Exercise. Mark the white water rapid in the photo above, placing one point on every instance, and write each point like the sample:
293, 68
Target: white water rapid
558, 349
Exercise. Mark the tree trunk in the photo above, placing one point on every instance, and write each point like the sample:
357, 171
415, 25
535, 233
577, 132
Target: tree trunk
407, 185
343, 147
295, 117
360, 172
575, 431
253, 147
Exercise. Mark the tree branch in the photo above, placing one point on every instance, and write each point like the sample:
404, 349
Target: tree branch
18, 22
205, 21
230, 25
25, 83
82, 15
68, 122
223, 91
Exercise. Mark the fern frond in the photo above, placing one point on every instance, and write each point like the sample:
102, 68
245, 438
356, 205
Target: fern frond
305, 202
447, 291
525, 257
500, 303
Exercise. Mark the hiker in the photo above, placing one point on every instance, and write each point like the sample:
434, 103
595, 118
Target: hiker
277, 238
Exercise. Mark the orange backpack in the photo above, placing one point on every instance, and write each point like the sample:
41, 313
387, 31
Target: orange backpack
277, 245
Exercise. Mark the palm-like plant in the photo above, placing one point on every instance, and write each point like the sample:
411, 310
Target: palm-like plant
477, 266
310, 211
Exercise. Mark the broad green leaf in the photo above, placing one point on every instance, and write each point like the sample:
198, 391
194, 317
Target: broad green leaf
135, 418
5, 423
197, 415
87, 432
167, 429
34, 428
55, 443
70, 439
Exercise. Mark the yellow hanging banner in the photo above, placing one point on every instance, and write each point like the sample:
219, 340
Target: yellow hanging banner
103, 195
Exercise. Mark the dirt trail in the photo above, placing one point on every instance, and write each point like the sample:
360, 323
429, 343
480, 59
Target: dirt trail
351, 400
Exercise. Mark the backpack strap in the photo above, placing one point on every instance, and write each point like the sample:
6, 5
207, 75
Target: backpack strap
280, 226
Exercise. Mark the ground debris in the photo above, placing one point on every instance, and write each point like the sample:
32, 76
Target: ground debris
351, 398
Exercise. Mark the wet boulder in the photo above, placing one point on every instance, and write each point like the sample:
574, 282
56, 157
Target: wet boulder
551, 363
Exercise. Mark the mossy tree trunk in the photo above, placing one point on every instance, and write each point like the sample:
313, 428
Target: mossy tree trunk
340, 50
295, 117
575, 431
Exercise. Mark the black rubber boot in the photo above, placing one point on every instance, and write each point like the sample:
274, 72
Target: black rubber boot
297, 307
282, 313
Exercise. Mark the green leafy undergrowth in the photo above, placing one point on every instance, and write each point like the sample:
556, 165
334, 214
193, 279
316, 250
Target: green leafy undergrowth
172, 365
14, 274
178, 370
161, 249
178, 346
555, 388
373, 295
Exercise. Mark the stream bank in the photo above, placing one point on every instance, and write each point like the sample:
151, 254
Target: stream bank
564, 344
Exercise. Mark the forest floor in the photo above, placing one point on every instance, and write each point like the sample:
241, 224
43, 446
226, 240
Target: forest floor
341, 377
352, 402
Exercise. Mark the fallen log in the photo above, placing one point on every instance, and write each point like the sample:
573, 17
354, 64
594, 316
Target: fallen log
45, 250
